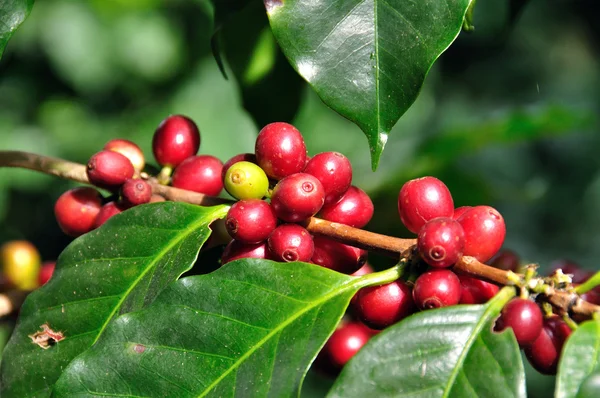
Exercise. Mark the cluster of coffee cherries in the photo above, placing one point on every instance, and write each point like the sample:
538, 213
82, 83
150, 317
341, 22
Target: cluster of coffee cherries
21, 266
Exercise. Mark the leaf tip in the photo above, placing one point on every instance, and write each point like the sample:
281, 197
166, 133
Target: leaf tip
376, 146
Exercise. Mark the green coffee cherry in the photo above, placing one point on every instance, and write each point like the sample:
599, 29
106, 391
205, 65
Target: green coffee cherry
246, 180
20, 263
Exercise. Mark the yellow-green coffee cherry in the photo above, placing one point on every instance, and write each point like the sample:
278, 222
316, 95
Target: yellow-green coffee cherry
246, 180
20, 262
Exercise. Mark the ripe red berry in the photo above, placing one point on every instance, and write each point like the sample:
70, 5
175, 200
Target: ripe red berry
476, 291
334, 171
290, 242
107, 211
128, 149
250, 221
544, 353
46, 272
199, 174
441, 242
424, 199
484, 232
381, 306
236, 250
297, 197
344, 343
355, 208
436, 288
109, 169
136, 192
506, 260
364, 270
176, 139
459, 211
280, 150
524, 317
242, 157
338, 256
76, 210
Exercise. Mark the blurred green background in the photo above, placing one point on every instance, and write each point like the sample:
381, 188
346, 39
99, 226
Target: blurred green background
508, 116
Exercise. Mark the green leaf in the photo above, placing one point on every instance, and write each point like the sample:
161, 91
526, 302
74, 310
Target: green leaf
450, 352
12, 15
580, 360
366, 59
118, 268
251, 328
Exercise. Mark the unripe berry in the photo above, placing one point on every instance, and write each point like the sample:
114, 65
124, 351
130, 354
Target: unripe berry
176, 139
524, 317
199, 174
76, 210
441, 242
107, 211
250, 221
344, 343
109, 169
136, 192
381, 306
20, 261
544, 353
334, 171
297, 197
338, 256
484, 232
437, 288
476, 291
242, 157
46, 272
245, 180
355, 209
290, 242
424, 199
128, 149
236, 250
506, 260
280, 150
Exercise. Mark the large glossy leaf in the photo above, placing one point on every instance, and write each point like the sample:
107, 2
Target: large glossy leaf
120, 267
367, 59
251, 328
580, 360
12, 15
450, 352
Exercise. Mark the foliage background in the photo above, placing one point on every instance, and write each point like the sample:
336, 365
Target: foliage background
508, 116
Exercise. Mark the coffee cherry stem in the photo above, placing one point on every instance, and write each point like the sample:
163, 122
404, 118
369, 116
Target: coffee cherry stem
589, 284
567, 302
164, 176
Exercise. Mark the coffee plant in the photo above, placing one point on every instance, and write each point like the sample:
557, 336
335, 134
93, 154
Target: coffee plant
197, 275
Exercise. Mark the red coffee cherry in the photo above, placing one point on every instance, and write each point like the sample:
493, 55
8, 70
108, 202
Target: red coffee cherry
280, 150
424, 199
524, 317
109, 169
236, 250
136, 192
344, 343
199, 174
290, 242
484, 232
364, 270
297, 197
46, 272
107, 211
381, 306
476, 291
176, 139
338, 256
459, 211
250, 221
506, 260
441, 242
355, 208
334, 171
544, 353
128, 149
436, 288
76, 210
242, 157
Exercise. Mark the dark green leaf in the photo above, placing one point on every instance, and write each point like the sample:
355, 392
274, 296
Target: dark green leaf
366, 59
450, 352
120, 267
12, 15
580, 360
251, 328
